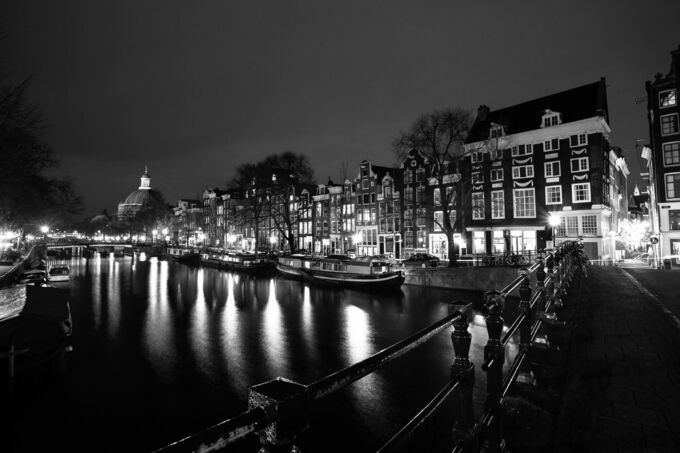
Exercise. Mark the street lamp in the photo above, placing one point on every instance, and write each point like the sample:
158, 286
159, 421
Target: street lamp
272, 240
44, 230
554, 221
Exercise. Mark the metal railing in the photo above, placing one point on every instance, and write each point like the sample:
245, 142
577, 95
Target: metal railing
279, 410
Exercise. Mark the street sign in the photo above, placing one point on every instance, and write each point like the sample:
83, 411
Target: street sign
654, 240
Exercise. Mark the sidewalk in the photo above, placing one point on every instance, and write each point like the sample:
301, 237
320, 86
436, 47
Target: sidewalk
622, 363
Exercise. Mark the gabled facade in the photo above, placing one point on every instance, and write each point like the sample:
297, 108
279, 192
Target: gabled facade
664, 162
545, 157
368, 184
213, 217
415, 203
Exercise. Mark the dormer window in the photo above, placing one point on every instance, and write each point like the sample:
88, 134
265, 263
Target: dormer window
496, 130
551, 118
668, 98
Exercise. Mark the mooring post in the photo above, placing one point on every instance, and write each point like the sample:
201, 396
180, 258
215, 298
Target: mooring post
494, 354
287, 404
464, 370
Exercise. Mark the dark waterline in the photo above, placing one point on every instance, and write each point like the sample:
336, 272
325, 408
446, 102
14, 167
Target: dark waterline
162, 350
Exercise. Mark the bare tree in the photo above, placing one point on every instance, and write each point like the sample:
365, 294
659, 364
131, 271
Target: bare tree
439, 136
27, 195
290, 173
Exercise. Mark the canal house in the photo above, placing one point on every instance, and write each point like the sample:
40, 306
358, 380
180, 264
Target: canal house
547, 157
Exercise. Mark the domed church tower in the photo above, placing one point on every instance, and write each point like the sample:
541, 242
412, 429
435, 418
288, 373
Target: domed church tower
143, 199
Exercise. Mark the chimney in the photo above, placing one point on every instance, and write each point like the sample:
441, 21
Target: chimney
482, 112
675, 61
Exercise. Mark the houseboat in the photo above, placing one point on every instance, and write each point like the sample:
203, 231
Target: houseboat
342, 271
184, 255
237, 262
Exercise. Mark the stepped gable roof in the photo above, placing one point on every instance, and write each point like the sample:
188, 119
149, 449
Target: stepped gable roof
579, 103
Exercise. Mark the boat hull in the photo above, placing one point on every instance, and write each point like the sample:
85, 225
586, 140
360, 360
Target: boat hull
257, 269
389, 280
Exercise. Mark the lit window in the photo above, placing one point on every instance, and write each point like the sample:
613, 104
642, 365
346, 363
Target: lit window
477, 206
580, 193
525, 171
589, 225
522, 150
496, 174
673, 185
437, 197
671, 153
578, 140
525, 203
551, 145
572, 226
579, 164
667, 98
553, 195
552, 169
669, 124
477, 177
438, 220
497, 204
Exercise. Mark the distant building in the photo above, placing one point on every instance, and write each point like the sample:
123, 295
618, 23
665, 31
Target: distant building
664, 161
548, 156
143, 204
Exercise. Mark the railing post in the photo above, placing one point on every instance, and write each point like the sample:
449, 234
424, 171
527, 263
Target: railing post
464, 370
494, 354
525, 375
287, 403
558, 279
540, 286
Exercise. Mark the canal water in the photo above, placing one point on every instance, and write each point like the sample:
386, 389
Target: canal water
162, 350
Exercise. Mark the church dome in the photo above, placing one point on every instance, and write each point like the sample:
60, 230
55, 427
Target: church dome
142, 198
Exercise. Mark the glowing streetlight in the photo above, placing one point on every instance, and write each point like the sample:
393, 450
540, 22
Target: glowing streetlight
44, 229
554, 221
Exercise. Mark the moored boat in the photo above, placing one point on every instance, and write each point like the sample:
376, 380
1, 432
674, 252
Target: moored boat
59, 273
290, 266
237, 262
343, 271
184, 255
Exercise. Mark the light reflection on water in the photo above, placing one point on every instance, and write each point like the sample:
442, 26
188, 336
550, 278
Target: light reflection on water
192, 341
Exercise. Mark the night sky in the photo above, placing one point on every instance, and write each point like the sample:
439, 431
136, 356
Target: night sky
193, 89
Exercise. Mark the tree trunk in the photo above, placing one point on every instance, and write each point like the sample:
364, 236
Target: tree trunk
453, 249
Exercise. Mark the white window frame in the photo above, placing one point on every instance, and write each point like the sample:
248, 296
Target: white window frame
498, 204
478, 199
549, 166
477, 177
574, 188
515, 192
677, 124
579, 162
528, 170
547, 194
477, 157
522, 150
665, 184
548, 145
675, 98
496, 174
583, 229
663, 147
581, 140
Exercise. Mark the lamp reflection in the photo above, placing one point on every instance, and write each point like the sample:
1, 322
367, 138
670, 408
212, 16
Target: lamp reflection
159, 329
274, 342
